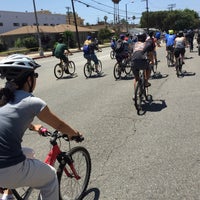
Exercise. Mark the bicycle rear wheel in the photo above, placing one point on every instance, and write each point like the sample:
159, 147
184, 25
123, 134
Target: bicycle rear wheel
71, 67
58, 70
70, 187
138, 97
117, 71
128, 67
168, 59
87, 70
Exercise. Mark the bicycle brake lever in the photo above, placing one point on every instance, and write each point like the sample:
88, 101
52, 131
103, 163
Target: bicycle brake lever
78, 138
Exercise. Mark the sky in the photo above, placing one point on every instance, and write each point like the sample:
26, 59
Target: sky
93, 11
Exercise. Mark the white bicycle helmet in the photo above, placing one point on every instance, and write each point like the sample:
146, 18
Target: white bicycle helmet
16, 66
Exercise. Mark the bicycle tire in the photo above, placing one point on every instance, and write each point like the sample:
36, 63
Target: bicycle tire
138, 97
87, 70
128, 67
168, 59
71, 67
112, 54
199, 50
70, 187
117, 71
99, 66
58, 71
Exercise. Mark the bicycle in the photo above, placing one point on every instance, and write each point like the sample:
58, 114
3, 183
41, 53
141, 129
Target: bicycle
141, 92
170, 58
122, 67
74, 168
62, 68
90, 68
179, 64
112, 54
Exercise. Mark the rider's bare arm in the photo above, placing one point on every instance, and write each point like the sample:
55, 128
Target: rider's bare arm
51, 119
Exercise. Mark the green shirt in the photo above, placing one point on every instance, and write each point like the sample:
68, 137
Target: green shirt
60, 49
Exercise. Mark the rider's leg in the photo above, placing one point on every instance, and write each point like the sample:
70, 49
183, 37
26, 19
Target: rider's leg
147, 74
29, 153
96, 62
33, 173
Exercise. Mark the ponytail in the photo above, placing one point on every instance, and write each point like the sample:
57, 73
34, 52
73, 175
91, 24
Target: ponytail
7, 93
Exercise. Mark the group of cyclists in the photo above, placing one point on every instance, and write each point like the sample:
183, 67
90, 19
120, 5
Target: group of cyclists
19, 107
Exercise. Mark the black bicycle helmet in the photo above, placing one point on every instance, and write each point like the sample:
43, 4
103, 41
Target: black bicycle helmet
141, 36
17, 66
180, 34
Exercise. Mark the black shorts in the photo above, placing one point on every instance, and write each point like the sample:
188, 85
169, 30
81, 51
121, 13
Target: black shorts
139, 64
170, 48
178, 51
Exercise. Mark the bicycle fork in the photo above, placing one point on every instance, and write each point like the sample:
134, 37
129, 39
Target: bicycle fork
63, 158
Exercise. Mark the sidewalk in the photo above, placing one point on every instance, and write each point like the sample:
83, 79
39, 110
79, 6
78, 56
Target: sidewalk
46, 54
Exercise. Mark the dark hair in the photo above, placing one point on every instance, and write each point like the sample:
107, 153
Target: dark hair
60, 40
7, 93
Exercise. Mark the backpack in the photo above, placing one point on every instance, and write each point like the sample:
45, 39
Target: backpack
86, 49
119, 46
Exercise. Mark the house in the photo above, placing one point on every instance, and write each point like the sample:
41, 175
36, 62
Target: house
51, 32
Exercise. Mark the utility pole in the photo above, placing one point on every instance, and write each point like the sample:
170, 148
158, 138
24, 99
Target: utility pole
77, 35
147, 9
68, 14
171, 6
38, 32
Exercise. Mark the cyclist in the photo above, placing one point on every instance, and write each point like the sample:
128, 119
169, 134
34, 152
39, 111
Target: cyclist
190, 38
169, 39
179, 46
89, 48
61, 51
151, 51
18, 108
113, 43
122, 48
139, 58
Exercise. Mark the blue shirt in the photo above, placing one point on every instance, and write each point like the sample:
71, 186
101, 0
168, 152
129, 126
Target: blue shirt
170, 39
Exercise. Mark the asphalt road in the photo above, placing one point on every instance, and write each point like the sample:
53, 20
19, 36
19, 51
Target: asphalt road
155, 156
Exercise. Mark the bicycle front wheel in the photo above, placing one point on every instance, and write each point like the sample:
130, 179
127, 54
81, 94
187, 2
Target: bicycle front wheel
112, 54
71, 67
58, 71
70, 187
87, 70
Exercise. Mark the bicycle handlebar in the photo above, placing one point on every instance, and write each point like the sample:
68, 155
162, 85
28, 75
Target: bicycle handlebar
56, 134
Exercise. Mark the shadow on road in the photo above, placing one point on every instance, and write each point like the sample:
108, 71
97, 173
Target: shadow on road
155, 105
91, 194
158, 75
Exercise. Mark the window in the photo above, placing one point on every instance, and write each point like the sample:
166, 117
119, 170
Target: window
15, 24
1, 23
24, 24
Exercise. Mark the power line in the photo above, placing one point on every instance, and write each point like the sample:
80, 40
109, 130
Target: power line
103, 10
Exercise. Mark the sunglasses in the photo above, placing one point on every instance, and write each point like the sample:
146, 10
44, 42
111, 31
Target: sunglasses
35, 75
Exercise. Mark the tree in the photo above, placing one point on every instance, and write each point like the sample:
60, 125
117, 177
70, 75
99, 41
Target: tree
103, 34
176, 20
